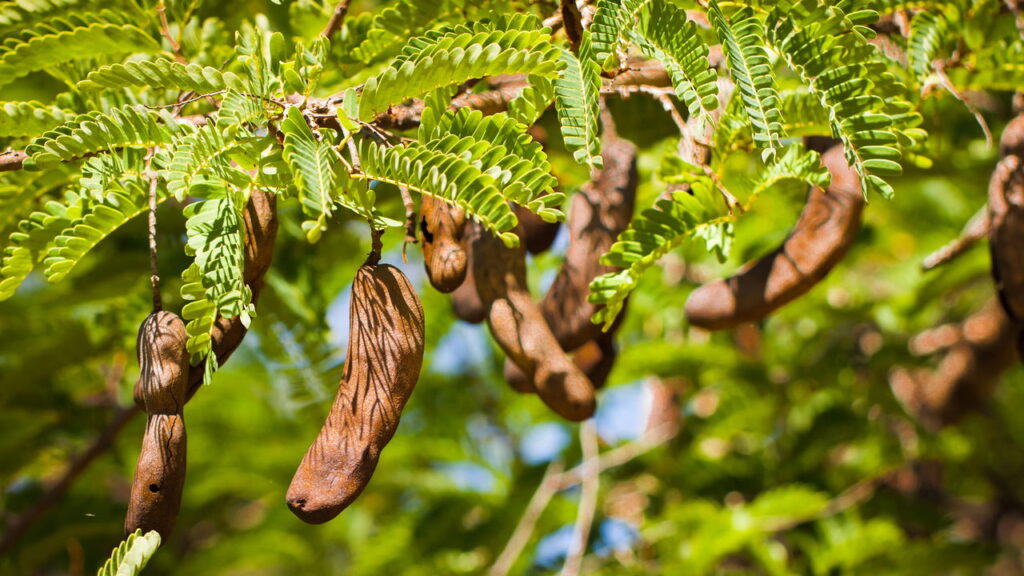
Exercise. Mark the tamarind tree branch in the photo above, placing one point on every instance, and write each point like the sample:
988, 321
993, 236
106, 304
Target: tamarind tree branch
588, 500
975, 229
55, 491
337, 18
548, 487
12, 160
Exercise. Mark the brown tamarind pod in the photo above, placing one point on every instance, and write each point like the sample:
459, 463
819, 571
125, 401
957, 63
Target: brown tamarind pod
538, 235
518, 326
442, 227
824, 232
386, 335
599, 212
160, 472
1006, 224
466, 302
595, 359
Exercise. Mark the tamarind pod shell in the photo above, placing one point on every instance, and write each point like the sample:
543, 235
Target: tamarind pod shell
824, 232
518, 327
163, 363
386, 335
260, 218
598, 213
538, 235
516, 379
466, 303
596, 358
441, 228
159, 477
1006, 224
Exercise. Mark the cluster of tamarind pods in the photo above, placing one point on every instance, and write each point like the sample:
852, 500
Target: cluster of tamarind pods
552, 348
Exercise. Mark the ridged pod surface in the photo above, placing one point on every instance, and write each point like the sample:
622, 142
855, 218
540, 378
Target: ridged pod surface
441, 229
599, 212
383, 362
163, 383
1006, 224
518, 326
466, 302
824, 232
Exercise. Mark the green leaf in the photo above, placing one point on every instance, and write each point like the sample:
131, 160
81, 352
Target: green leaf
743, 38
96, 132
577, 101
132, 555
28, 118
315, 166
164, 74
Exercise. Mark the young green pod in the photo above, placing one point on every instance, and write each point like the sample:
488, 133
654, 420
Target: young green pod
824, 232
385, 353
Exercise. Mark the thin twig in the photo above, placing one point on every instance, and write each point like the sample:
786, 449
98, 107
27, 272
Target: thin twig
182, 103
617, 457
548, 487
588, 500
12, 160
337, 18
165, 29
410, 220
154, 268
573, 22
17, 527
975, 229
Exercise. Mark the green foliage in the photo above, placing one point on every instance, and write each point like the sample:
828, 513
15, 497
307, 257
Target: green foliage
28, 118
576, 100
421, 75
214, 284
27, 245
131, 555
664, 33
929, 34
743, 39
72, 37
316, 168
97, 132
443, 171
160, 74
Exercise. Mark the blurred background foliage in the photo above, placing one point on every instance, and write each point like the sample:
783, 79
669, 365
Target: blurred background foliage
779, 448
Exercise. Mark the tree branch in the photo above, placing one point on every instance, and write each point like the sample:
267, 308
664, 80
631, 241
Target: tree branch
337, 18
548, 487
12, 160
588, 500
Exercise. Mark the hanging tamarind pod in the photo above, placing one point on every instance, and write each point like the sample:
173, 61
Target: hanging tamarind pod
1006, 224
385, 354
466, 302
441, 229
824, 232
599, 212
260, 219
518, 326
160, 471
595, 359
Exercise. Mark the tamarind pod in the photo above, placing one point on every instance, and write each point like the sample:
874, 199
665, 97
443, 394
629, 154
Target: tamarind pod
599, 212
519, 328
159, 477
442, 227
1006, 224
386, 335
160, 471
466, 302
824, 232
595, 359
260, 218
538, 235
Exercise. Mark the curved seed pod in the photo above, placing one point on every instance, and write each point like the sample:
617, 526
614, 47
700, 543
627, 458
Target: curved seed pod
595, 359
600, 211
381, 369
466, 302
1006, 224
538, 235
518, 326
442, 227
826, 229
160, 472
